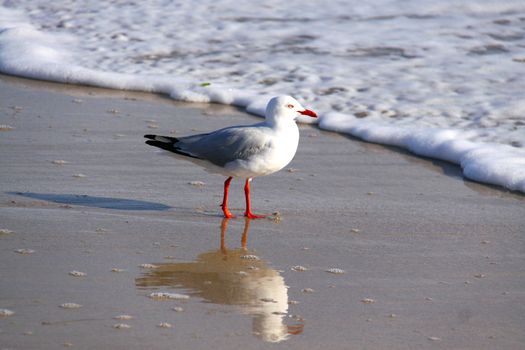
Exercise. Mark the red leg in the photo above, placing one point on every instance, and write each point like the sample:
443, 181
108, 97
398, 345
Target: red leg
224, 228
224, 204
248, 213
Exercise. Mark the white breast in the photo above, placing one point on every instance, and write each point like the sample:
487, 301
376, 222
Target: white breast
283, 145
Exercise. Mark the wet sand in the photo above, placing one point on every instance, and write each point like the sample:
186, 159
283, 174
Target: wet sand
420, 258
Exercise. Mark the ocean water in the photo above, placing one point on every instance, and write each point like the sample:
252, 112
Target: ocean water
443, 79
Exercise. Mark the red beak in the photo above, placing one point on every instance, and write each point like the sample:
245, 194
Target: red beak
309, 113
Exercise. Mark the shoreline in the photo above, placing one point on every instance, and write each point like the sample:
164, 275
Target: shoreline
80, 89
428, 261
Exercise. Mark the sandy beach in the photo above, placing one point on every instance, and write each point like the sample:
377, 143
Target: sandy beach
367, 248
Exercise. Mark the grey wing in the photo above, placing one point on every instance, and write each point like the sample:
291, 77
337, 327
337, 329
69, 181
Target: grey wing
225, 145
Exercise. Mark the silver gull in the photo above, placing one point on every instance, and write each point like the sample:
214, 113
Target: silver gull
245, 151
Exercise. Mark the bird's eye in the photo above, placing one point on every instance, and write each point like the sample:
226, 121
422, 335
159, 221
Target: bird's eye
290, 106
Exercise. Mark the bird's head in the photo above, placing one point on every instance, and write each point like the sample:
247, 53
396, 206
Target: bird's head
283, 108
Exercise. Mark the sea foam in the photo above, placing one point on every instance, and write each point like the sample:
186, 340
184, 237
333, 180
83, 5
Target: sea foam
491, 163
439, 79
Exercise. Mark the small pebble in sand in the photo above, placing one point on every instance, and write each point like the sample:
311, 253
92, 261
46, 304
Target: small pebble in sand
101, 230
297, 318
77, 100
292, 170
433, 338
4, 127
5, 231
75, 273
164, 325
368, 301
479, 275
6, 313
68, 345
370, 193
355, 230
113, 111
153, 126
70, 306
279, 313
268, 300
249, 257
305, 248
168, 296
242, 273
293, 302
79, 176
117, 270
123, 317
276, 217
392, 316
307, 290
485, 242
148, 266
24, 251
121, 326
59, 162
197, 183
336, 271
299, 268
28, 333
177, 309
429, 299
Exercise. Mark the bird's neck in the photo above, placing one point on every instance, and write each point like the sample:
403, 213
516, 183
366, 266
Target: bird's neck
280, 123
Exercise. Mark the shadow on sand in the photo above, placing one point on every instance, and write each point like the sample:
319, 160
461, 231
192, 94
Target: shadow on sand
97, 202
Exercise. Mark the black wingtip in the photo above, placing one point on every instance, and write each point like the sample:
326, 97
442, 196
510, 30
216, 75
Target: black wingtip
159, 144
154, 143
168, 146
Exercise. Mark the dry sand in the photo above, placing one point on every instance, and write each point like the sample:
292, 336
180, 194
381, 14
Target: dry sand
430, 261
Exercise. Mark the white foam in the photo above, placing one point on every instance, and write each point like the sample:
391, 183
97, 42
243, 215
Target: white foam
164, 325
123, 317
6, 313
121, 326
441, 79
491, 163
70, 306
75, 273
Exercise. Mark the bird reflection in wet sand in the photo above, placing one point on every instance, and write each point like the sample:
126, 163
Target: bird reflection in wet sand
233, 277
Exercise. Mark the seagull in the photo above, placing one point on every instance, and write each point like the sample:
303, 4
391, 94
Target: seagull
244, 151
